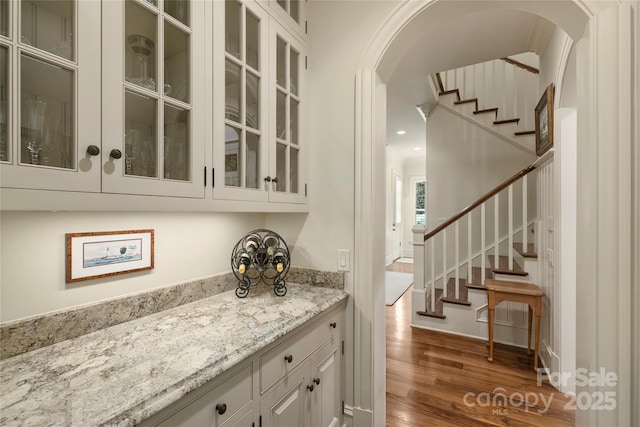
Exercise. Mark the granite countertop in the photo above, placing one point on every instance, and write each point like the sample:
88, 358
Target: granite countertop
123, 374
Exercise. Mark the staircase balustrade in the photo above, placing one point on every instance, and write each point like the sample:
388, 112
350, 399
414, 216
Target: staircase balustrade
434, 244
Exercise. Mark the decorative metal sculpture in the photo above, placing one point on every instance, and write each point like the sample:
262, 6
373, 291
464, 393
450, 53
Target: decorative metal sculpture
260, 256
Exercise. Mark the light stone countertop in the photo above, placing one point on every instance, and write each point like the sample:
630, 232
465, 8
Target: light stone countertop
123, 374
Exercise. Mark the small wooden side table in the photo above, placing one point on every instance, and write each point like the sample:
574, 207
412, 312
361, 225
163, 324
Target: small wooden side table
527, 293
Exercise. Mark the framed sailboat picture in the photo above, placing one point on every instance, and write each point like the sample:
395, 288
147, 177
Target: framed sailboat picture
102, 254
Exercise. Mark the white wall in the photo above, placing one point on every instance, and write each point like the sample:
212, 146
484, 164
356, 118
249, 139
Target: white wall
187, 247
463, 163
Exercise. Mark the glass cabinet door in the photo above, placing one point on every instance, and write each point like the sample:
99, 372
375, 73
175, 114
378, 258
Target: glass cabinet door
240, 49
49, 87
287, 160
292, 13
153, 143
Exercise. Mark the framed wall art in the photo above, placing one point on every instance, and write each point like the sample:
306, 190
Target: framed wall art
544, 121
109, 253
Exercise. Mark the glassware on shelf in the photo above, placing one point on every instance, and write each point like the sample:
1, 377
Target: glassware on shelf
141, 51
33, 115
131, 140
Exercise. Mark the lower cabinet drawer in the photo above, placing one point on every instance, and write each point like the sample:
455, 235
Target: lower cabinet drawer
217, 405
282, 359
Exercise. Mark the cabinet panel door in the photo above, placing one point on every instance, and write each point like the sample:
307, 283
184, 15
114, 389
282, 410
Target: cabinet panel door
50, 95
240, 125
153, 99
326, 399
287, 155
288, 404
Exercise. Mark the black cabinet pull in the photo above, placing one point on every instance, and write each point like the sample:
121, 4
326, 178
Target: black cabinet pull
289, 358
93, 150
317, 381
267, 179
115, 153
275, 180
221, 408
333, 324
310, 387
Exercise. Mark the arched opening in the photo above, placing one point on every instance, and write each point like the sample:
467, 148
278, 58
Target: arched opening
392, 43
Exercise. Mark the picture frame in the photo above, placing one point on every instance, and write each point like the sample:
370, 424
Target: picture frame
108, 253
544, 121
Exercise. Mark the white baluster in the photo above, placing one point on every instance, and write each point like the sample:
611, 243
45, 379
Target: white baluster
457, 264
469, 248
524, 213
444, 262
496, 225
483, 245
510, 213
433, 274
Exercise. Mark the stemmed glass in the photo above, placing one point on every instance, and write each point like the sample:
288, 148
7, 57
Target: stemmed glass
33, 115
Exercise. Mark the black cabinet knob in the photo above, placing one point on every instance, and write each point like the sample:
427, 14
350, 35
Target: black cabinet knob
333, 325
93, 150
115, 153
317, 381
275, 179
310, 387
289, 358
221, 408
267, 179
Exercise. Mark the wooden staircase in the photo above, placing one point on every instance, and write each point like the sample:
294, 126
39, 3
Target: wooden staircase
476, 282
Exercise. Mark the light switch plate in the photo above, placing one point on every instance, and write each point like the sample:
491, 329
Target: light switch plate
343, 260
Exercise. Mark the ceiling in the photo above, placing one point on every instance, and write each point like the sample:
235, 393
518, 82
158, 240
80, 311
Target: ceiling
469, 39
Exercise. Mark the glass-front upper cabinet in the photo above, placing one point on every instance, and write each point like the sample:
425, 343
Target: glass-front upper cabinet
153, 130
49, 92
240, 114
287, 156
292, 13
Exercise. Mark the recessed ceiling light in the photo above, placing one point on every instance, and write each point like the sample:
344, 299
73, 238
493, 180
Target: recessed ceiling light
418, 148
401, 132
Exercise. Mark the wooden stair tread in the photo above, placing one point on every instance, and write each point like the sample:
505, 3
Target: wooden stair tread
530, 252
525, 132
466, 101
502, 267
439, 307
463, 293
476, 278
516, 287
503, 122
487, 110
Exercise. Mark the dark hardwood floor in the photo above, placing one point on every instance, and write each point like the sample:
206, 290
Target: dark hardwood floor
437, 379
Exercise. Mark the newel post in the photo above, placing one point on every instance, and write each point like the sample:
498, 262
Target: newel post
418, 257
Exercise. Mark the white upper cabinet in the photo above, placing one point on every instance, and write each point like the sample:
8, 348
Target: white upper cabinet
49, 88
291, 13
179, 99
257, 106
153, 102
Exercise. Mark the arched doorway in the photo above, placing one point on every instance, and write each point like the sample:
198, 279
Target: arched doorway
601, 246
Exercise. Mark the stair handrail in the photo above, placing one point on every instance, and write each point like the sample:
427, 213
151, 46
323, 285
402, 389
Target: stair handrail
480, 201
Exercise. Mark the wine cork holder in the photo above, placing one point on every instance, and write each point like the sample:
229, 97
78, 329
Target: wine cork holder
260, 256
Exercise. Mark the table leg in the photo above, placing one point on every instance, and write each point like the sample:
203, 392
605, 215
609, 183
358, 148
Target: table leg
530, 321
491, 315
535, 355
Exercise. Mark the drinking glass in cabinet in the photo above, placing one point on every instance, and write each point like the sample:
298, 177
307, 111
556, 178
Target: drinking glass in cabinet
232, 28
140, 136
176, 63
46, 114
48, 25
140, 36
179, 9
176, 144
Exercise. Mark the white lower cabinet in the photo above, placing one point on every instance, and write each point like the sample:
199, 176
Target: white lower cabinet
295, 382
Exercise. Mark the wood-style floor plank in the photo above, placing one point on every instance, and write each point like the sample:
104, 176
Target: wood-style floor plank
429, 373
